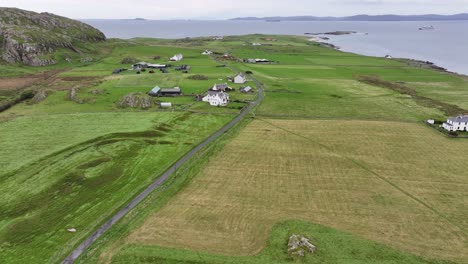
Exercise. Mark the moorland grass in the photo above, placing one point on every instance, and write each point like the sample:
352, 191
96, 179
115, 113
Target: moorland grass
87, 178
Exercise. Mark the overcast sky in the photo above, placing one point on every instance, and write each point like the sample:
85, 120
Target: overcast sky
222, 9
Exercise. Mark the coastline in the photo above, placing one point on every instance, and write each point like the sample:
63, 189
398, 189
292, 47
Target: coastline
410, 61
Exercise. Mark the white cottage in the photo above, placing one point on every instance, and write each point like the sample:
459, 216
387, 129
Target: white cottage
207, 52
458, 123
216, 98
240, 78
177, 57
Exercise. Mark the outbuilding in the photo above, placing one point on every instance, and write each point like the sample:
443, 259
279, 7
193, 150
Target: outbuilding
240, 78
246, 89
177, 57
176, 91
155, 91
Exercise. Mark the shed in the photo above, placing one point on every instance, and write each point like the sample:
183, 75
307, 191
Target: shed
171, 91
165, 104
155, 91
247, 89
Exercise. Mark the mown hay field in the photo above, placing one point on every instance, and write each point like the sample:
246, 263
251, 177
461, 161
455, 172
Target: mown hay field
400, 184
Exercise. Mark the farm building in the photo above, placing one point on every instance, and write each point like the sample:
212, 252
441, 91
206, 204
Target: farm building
165, 105
262, 61
207, 52
256, 60
171, 91
144, 65
139, 65
183, 68
240, 78
247, 89
117, 71
256, 44
165, 92
155, 91
458, 123
216, 98
177, 57
221, 87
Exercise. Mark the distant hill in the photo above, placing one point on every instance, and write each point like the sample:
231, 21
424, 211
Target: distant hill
28, 37
463, 16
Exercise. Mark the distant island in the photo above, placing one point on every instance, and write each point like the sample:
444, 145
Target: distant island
430, 17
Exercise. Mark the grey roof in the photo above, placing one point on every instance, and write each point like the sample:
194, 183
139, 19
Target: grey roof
459, 119
240, 74
217, 93
246, 89
221, 86
155, 90
171, 90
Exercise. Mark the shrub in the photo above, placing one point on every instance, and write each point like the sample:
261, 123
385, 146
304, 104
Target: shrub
453, 133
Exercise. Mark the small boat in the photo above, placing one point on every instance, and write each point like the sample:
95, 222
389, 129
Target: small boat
427, 28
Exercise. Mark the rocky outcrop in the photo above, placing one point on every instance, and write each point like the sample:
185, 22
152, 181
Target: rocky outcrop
299, 245
135, 100
28, 37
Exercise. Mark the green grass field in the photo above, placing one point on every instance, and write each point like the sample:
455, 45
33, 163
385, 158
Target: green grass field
349, 164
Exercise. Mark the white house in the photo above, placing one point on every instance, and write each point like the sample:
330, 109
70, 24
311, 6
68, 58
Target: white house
240, 78
458, 123
207, 52
177, 57
216, 98
256, 44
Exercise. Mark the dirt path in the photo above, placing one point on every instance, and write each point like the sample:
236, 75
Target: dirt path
115, 218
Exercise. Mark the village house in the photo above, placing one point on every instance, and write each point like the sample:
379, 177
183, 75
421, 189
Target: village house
256, 44
458, 123
216, 98
207, 52
224, 87
177, 57
240, 78
246, 89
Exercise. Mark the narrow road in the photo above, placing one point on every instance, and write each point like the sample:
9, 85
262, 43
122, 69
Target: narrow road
114, 219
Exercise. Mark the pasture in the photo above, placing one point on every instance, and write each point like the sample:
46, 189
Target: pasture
384, 184
347, 163
324, 148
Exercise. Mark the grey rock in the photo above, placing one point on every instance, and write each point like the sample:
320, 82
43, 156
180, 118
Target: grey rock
299, 245
27, 37
135, 100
